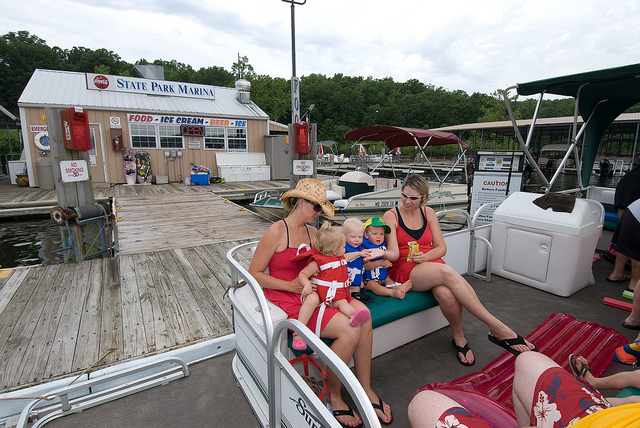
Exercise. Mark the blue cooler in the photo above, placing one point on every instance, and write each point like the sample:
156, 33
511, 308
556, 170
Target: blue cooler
201, 178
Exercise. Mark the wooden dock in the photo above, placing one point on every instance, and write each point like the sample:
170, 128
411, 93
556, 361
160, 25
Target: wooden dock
165, 290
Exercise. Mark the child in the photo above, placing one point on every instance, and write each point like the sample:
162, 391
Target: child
327, 269
375, 274
354, 229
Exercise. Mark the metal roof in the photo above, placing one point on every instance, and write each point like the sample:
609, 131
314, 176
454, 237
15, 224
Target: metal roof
52, 88
563, 120
8, 120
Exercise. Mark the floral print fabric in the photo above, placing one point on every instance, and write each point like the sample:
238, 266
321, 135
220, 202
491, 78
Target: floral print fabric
562, 399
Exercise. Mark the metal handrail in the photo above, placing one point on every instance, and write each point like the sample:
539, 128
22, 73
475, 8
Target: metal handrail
276, 361
72, 400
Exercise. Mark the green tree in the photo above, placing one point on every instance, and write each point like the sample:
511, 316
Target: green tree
20, 54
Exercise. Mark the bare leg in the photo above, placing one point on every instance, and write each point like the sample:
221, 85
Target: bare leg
308, 306
618, 268
634, 317
635, 274
529, 367
357, 343
426, 408
343, 306
619, 380
427, 275
453, 312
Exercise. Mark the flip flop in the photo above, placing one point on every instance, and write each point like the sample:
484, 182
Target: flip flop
298, 344
629, 326
573, 360
624, 278
380, 406
348, 412
462, 350
508, 343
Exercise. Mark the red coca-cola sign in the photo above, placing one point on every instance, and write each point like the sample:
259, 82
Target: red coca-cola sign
101, 81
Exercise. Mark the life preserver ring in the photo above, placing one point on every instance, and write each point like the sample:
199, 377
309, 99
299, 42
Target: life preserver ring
40, 136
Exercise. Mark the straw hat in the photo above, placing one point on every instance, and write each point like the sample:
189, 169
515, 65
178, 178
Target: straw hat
311, 190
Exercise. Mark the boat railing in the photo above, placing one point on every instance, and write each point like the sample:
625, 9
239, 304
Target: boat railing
83, 395
288, 379
473, 242
269, 193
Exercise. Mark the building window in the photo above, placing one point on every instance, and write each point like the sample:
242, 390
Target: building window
143, 135
170, 136
214, 138
237, 138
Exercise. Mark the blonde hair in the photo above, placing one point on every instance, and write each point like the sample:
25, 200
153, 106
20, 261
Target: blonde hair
328, 239
352, 223
419, 184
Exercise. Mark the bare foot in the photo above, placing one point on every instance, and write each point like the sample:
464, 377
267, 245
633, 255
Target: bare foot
397, 293
582, 362
405, 286
468, 358
347, 417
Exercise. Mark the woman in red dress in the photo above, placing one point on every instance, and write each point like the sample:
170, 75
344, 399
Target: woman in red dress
412, 221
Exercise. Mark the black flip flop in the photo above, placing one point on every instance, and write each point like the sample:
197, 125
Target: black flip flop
630, 327
348, 412
462, 350
624, 279
508, 343
380, 407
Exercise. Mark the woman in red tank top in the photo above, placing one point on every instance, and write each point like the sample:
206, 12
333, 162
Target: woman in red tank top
413, 221
282, 287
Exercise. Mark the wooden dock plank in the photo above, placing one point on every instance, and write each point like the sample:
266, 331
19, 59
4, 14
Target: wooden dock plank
170, 308
198, 327
209, 270
11, 286
154, 325
87, 347
37, 356
111, 313
65, 339
17, 325
133, 334
199, 280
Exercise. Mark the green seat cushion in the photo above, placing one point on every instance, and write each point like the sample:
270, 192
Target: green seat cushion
388, 309
385, 310
627, 392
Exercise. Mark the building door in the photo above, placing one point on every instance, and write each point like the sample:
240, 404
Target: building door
97, 157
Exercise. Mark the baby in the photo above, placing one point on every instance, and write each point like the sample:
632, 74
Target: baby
375, 274
327, 269
354, 229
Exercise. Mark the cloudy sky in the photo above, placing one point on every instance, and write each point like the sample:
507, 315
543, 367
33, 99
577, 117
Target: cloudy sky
469, 45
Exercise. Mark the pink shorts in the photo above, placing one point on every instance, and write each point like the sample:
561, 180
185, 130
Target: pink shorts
561, 397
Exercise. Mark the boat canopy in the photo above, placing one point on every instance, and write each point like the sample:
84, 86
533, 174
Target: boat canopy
396, 136
600, 95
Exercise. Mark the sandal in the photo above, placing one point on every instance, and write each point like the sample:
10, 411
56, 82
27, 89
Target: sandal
508, 343
380, 406
298, 344
348, 412
359, 317
462, 350
573, 363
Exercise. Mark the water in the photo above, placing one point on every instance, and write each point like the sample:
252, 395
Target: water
28, 243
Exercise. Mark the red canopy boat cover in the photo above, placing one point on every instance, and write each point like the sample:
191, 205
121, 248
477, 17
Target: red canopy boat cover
396, 136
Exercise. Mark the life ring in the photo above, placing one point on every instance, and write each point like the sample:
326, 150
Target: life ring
39, 138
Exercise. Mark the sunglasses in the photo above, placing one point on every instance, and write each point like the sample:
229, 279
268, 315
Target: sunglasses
413, 198
316, 207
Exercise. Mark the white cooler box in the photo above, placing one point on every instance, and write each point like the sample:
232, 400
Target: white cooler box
545, 249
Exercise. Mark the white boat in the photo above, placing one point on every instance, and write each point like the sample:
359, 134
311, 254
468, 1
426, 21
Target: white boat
359, 194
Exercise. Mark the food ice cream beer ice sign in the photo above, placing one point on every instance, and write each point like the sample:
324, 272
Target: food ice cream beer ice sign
74, 170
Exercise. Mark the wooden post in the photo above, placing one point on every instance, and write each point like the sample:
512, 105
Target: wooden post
74, 194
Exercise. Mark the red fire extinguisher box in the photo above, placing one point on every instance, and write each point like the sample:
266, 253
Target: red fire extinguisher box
75, 129
301, 137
